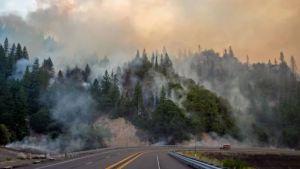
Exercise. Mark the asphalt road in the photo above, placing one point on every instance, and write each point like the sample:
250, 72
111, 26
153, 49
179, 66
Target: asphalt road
131, 158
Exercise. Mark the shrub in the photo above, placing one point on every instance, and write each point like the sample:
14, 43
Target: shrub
5, 135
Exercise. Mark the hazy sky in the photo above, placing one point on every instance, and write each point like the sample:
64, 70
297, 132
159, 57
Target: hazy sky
259, 28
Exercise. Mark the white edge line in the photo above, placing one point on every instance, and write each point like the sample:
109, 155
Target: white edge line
63, 162
158, 165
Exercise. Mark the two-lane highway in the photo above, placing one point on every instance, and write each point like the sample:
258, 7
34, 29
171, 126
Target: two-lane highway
130, 158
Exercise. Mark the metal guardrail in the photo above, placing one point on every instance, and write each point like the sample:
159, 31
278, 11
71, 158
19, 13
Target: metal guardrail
193, 162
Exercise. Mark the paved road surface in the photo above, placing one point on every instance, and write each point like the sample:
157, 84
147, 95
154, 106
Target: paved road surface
131, 158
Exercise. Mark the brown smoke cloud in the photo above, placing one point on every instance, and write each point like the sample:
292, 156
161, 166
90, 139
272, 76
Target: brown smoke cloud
117, 28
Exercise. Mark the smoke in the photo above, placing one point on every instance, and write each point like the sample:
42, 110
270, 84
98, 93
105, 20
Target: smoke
20, 68
76, 32
214, 140
72, 108
78, 29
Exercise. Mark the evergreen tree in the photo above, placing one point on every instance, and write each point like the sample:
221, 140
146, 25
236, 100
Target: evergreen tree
60, 76
293, 67
34, 89
152, 59
95, 90
26, 81
47, 66
145, 58
114, 93
87, 72
231, 54
137, 54
21, 111
162, 94
40, 121
161, 60
2, 61
167, 61
6, 104
6, 46
19, 52
170, 122
25, 53
11, 61
138, 98
156, 62
281, 58
105, 83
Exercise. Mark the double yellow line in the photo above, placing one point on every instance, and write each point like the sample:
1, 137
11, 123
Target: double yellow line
124, 162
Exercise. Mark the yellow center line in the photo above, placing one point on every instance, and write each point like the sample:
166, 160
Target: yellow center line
128, 162
123, 160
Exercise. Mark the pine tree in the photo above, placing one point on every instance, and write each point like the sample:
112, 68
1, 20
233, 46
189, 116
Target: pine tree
19, 52
6, 104
21, 110
34, 90
2, 61
162, 94
114, 89
138, 98
6, 46
293, 67
231, 54
119, 72
43, 78
47, 66
96, 90
11, 61
145, 58
60, 76
105, 83
156, 62
87, 72
281, 58
137, 54
25, 53
152, 59
167, 61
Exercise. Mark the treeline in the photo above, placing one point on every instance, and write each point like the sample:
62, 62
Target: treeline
147, 92
270, 92
19, 99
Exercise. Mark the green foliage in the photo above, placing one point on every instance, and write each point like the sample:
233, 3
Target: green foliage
106, 93
236, 164
40, 121
21, 111
170, 122
209, 113
19, 52
260, 134
162, 94
5, 135
138, 97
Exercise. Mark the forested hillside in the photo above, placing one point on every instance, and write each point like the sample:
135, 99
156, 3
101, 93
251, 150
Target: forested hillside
265, 95
61, 106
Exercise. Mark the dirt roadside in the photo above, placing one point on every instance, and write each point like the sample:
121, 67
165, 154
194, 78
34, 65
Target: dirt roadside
261, 158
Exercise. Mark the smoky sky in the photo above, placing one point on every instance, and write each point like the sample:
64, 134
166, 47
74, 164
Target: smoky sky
78, 30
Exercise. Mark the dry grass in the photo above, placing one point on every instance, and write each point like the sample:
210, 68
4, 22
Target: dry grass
233, 164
